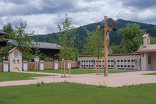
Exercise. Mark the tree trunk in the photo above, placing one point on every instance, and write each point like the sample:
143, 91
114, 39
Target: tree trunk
98, 65
64, 68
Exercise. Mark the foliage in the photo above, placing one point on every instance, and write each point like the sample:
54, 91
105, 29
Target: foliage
116, 49
95, 44
131, 38
48, 40
8, 29
153, 40
19, 38
66, 40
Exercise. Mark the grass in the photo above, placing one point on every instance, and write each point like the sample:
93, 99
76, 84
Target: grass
150, 74
81, 71
10, 76
71, 93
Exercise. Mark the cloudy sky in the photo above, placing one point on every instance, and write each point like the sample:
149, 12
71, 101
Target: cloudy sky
43, 16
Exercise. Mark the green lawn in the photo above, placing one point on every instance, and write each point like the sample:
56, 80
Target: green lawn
150, 74
10, 76
70, 93
82, 71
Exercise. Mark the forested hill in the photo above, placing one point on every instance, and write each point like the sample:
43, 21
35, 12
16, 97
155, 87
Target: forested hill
83, 31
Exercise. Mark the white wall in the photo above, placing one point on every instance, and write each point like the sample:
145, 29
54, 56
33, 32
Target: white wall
114, 62
15, 63
153, 61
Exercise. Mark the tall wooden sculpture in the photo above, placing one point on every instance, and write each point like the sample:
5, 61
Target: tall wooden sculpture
104, 26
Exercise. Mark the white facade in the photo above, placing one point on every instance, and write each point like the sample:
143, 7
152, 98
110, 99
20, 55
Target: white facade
148, 61
15, 60
116, 61
148, 54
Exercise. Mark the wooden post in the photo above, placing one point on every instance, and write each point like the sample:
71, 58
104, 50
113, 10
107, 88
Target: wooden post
106, 46
64, 68
98, 65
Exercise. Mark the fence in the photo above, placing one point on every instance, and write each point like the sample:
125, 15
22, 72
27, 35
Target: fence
47, 65
50, 65
33, 65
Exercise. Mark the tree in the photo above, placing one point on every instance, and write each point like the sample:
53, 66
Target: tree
66, 41
131, 38
48, 39
22, 40
8, 29
95, 45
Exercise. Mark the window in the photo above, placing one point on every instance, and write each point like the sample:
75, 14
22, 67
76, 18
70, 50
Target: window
125, 60
111, 65
14, 62
15, 54
121, 60
128, 60
111, 60
132, 65
118, 60
132, 60
118, 65
18, 61
108, 60
149, 59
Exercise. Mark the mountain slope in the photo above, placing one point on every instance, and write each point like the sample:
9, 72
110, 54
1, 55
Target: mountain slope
83, 31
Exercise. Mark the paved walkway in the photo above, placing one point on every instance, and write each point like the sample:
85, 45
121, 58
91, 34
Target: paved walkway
113, 80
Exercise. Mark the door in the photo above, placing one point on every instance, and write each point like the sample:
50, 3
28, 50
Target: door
56, 65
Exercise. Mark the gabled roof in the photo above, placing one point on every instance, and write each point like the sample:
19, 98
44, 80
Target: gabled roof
45, 45
127, 54
14, 49
41, 45
148, 48
146, 35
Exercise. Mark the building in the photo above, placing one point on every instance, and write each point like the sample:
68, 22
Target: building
148, 54
143, 59
15, 60
115, 61
48, 49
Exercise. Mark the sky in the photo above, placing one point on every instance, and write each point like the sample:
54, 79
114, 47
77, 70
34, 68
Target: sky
43, 16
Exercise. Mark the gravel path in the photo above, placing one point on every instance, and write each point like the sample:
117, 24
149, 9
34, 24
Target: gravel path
113, 80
